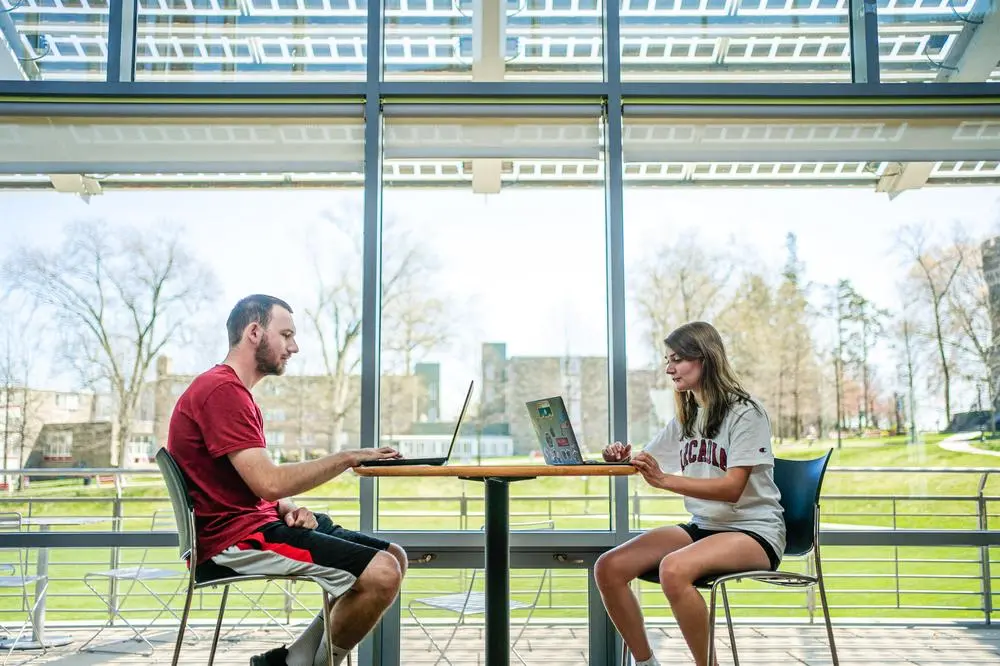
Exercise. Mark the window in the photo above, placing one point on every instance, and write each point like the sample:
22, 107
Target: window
445, 314
304, 41
68, 401
274, 437
45, 40
274, 415
140, 449
59, 446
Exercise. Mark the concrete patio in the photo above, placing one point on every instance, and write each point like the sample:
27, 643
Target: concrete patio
566, 646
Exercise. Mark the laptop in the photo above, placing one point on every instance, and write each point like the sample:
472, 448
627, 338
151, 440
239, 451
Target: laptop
390, 462
555, 433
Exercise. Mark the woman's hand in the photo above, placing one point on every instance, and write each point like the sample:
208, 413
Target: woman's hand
617, 452
650, 469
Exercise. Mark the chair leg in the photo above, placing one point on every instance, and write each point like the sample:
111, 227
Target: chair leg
326, 629
826, 616
711, 626
184, 619
218, 625
729, 624
441, 650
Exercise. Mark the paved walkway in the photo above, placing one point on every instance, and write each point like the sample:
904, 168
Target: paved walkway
962, 443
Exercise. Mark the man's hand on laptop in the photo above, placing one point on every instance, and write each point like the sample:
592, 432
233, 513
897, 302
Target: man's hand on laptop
381, 453
301, 517
617, 452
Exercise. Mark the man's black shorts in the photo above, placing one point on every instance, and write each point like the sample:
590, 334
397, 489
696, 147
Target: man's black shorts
336, 556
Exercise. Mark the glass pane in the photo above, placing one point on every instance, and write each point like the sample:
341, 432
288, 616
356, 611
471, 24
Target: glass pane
494, 40
938, 40
251, 40
548, 620
777, 250
473, 279
201, 244
53, 40
735, 40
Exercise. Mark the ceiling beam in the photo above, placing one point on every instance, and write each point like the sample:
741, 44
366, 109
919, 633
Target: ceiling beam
489, 21
976, 51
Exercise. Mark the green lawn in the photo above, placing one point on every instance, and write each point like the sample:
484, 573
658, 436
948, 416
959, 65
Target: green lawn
863, 581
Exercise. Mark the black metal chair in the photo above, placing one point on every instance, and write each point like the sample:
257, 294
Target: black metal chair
183, 507
800, 483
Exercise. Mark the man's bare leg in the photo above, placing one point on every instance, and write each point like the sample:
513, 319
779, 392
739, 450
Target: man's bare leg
358, 611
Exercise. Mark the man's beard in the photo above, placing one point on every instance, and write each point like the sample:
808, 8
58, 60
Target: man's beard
266, 364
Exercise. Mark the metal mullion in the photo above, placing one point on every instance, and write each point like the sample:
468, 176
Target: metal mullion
863, 27
380, 647
122, 27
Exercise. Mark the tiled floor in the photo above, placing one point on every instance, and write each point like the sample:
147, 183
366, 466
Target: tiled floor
567, 646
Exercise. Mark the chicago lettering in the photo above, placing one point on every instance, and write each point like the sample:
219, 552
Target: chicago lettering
704, 451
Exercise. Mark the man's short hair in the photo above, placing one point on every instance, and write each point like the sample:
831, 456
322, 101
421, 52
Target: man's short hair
251, 309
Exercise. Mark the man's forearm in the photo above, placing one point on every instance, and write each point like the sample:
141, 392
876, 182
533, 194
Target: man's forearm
294, 478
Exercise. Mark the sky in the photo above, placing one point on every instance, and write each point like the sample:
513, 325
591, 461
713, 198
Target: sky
525, 267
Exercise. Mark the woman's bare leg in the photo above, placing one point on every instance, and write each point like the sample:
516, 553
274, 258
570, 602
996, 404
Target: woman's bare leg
619, 566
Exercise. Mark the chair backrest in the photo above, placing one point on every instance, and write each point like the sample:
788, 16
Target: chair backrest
800, 482
10, 522
180, 500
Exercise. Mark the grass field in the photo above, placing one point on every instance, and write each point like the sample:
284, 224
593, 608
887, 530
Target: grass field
884, 582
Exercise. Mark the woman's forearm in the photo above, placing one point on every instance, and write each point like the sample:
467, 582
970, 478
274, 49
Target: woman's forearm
722, 489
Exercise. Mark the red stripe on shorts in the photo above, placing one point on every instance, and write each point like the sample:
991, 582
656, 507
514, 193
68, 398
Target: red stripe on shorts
256, 541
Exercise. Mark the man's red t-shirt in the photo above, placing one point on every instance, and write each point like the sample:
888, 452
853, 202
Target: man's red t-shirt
215, 416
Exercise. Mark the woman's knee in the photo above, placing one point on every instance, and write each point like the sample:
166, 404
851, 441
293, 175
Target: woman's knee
382, 576
675, 575
609, 569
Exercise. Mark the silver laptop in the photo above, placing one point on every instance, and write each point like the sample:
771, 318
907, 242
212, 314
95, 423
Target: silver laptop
555, 433
388, 462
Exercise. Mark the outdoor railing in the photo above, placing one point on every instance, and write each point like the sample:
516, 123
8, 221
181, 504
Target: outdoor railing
942, 581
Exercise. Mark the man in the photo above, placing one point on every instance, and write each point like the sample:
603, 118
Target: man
244, 522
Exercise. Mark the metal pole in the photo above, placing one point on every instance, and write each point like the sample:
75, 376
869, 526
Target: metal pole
984, 551
497, 571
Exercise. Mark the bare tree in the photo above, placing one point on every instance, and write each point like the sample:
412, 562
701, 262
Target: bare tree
969, 310
906, 344
747, 323
867, 322
932, 274
797, 349
414, 321
18, 403
681, 282
119, 297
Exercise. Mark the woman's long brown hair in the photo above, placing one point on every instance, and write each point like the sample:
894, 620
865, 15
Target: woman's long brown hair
720, 385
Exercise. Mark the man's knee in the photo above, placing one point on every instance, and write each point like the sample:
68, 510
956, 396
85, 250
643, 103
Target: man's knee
397, 551
382, 576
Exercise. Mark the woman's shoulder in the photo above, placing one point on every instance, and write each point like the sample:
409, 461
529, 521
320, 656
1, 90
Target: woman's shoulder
740, 407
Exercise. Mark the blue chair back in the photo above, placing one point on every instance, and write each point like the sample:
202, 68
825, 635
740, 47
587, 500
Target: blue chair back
800, 483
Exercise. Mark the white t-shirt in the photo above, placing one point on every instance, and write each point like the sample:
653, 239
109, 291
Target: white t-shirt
744, 440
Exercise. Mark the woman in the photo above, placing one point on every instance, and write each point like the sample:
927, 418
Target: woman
717, 453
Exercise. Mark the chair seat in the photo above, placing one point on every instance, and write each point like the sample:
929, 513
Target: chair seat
136, 573
473, 603
784, 578
19, 581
